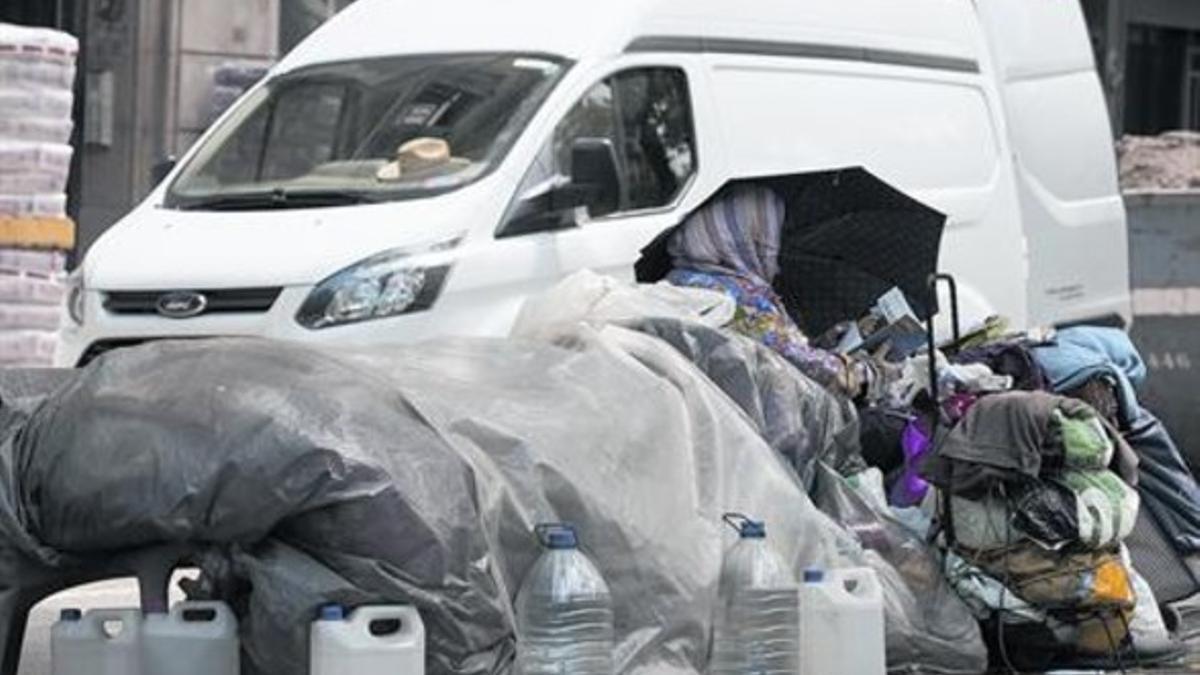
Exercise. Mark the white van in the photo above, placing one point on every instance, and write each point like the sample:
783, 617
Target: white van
418, 169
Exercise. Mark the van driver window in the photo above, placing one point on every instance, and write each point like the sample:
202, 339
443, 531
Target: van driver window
647, 116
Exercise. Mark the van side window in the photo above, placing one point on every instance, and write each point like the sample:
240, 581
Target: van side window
646, 113
635, 129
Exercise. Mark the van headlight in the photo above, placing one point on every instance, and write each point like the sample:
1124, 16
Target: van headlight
388, 284
76, 297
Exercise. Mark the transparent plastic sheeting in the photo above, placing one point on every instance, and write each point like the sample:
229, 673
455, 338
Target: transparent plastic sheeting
415, 475
928, 626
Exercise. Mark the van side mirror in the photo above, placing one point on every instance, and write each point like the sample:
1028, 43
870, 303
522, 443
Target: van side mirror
594, 168
551, 208
163, 169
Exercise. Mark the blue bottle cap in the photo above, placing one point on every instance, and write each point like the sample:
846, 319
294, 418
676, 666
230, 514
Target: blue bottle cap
557, 536
333, 612
70, 614
753, 529
814, 575
747, 528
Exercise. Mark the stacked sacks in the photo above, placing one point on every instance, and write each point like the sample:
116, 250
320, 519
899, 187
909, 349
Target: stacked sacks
37, 71
1032, 504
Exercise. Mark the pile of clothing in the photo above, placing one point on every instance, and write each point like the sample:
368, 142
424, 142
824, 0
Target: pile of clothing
1031, 501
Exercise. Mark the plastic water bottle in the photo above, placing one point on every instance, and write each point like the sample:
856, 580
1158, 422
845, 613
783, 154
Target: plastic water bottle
101, 642
564, 611
371, 640
756, 626
195, 638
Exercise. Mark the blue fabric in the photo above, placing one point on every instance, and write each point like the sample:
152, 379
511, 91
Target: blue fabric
1165, 483
1081, 353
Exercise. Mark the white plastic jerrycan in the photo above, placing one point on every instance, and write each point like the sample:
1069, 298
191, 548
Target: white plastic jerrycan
372, 640
101, 642
841, 623
195, 638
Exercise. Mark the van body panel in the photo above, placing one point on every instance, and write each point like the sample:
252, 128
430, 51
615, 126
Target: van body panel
284, 247
597, 30
937, 135
912, 91
1071, 206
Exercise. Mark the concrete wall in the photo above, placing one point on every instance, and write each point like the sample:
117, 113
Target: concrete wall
210, 33
1164, 244
147, 82
123, 80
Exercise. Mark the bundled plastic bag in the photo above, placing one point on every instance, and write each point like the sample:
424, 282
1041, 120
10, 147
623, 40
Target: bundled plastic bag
415, 475
588, 297
797, 417
1106, 508
411, 475
929, 628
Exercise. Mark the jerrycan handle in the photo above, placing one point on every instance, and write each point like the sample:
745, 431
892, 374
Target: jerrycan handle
859, 583
194, 611
117, 625
745, 526
389, 624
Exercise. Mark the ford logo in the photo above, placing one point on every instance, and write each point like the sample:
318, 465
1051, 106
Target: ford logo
181, 305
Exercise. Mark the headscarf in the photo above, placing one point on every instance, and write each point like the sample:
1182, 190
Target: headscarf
731, 244
737, 234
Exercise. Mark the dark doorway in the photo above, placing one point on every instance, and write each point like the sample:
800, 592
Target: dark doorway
1159, 77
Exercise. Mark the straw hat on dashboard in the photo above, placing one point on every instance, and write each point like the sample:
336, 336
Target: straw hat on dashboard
421, 158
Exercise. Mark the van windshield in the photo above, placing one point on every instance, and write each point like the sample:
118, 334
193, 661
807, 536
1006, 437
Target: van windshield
364, 131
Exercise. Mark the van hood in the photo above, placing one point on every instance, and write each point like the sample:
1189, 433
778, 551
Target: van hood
155, 248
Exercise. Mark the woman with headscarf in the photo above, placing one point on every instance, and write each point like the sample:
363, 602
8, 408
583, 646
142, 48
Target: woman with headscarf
732, 245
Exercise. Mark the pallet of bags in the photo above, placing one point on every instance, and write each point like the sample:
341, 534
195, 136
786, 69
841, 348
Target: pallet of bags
37, 75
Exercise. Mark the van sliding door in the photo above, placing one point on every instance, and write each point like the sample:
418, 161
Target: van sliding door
1071, 207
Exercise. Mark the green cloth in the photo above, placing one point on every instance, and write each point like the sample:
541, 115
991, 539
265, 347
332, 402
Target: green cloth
1085, 443
1105, 506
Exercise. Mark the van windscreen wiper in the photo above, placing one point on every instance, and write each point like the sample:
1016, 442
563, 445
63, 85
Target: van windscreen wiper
275, 199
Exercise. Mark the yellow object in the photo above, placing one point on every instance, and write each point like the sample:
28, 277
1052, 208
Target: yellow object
37, 232
1112, 585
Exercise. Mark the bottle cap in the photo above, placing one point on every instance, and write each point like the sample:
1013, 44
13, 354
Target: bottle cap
557, 536
814, 575
70, 614
753, 529
333, 612
747, 528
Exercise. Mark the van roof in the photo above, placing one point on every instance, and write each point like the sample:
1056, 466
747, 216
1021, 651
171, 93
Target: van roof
578, 30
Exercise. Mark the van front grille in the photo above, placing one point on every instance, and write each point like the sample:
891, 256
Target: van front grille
218, 301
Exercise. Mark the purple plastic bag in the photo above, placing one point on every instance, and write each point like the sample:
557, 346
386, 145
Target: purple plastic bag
916, 443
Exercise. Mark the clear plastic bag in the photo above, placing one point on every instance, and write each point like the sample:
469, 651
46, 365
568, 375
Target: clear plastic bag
589, 297
35, 129
27, 349
33, 205
30, 290
42, 264
929, 628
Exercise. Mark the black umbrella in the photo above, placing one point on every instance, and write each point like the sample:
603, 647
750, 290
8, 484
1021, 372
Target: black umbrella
848, 237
